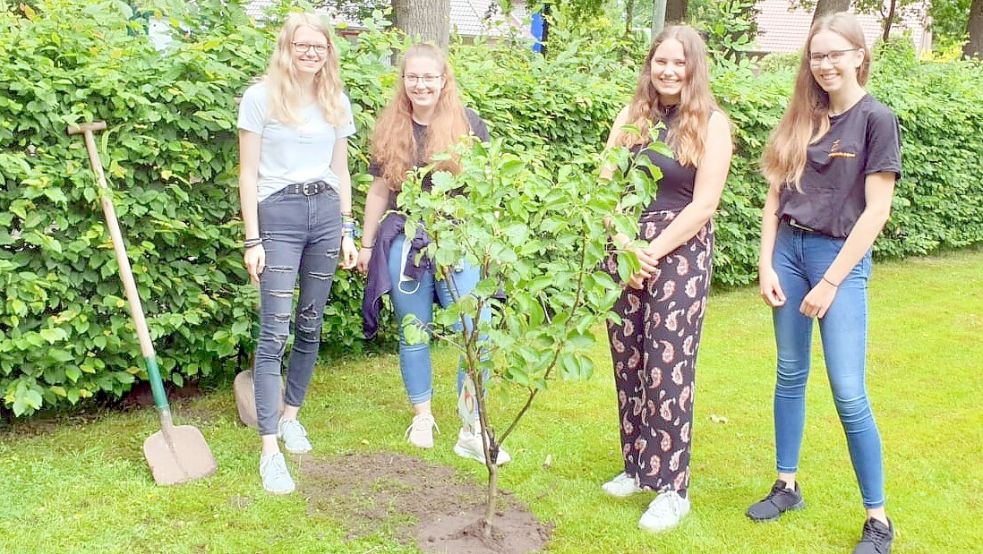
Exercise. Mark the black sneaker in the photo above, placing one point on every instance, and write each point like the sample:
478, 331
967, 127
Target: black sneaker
778, 500
877, 538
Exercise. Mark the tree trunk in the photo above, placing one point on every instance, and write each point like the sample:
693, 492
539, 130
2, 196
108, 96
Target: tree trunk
629, 15
424, 20
889, 19
676, 11
975, 29
658, 17
826, 7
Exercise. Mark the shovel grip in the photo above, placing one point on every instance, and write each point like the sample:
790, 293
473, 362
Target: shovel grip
156, 383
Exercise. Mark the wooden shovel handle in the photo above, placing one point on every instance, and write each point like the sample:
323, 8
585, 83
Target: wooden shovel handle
125, 271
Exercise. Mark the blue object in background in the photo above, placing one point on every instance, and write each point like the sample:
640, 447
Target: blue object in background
537, 28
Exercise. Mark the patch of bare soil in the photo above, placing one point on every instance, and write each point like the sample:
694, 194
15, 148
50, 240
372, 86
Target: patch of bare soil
420, 501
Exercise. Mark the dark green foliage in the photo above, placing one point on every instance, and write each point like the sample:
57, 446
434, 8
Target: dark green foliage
170, 154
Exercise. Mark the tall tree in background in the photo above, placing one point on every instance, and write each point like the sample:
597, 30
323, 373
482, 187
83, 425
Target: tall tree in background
949, 21
825, 7
676, 11
974, 27
629, 15
427, 20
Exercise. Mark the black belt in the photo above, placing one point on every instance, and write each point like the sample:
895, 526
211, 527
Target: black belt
307, 189
793, 223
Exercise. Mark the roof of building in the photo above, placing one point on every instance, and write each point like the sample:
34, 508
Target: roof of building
783, 30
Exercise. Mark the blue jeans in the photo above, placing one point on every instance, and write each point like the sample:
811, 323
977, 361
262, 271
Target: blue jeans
800, 259
417, 298
302, 237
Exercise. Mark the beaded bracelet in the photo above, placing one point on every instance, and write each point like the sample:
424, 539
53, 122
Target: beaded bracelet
347, 226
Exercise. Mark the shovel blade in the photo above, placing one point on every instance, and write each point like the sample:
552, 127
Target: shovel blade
178, 455
244, 390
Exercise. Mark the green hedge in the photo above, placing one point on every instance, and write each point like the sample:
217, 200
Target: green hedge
170, 154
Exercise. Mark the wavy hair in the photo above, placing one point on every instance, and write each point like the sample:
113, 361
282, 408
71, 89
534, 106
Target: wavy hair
281, 77
395, 148
687, 132
806, 119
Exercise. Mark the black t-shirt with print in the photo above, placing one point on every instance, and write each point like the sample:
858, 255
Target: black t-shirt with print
863, 140
478, 128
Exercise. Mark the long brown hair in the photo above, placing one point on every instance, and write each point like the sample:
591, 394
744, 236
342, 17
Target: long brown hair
696, 103
806, 119
394, 147
281, 75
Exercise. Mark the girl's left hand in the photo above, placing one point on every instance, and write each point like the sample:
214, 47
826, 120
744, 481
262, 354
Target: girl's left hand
349, 253
818, 301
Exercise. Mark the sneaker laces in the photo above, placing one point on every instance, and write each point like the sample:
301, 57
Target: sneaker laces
421, 422
874, 533
293, 425
777, 489
670, 499
276, 465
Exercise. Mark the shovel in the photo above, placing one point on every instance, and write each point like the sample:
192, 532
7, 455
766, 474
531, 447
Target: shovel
175, 454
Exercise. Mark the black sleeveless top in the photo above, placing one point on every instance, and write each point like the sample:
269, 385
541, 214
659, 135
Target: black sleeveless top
676, 186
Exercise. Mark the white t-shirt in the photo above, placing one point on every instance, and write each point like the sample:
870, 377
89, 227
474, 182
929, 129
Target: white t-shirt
292, 154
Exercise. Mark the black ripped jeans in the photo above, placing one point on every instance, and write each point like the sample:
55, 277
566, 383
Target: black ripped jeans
302, 237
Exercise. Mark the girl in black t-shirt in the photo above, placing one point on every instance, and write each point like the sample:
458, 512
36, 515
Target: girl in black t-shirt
654, 346
831, 163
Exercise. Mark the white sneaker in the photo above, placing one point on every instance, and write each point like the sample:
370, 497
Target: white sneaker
469, 445
420, 431
621, 486
665, 512
294, 436
276, 478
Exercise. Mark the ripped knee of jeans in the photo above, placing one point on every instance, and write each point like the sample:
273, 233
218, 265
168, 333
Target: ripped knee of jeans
307, 328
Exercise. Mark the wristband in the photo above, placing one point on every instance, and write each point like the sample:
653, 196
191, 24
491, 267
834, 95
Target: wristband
347, 226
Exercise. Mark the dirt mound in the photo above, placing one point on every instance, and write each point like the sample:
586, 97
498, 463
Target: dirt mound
417, 500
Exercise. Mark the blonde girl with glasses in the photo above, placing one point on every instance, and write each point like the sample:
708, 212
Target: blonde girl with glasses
831, 164
424, 117
295, 191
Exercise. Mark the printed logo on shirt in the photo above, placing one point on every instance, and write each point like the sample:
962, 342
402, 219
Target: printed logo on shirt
834, 151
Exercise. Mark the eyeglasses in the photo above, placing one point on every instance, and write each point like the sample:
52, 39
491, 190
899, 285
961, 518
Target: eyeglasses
425, 79
304, 47
834, 56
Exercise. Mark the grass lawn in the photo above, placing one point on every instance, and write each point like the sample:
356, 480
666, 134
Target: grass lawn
82, 485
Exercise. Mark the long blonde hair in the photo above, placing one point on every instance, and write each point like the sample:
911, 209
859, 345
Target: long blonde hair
394, 147
282, 85
687, 132
806, 119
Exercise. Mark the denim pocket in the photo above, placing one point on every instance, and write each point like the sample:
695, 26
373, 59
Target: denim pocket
274, 198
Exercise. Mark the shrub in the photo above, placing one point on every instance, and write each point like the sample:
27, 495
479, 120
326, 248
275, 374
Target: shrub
170, 154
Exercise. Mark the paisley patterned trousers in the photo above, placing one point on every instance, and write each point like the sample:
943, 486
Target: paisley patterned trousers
654, 353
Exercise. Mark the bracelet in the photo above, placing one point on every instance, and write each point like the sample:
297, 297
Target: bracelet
347, 226
249, 243
830, 282
366, 247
